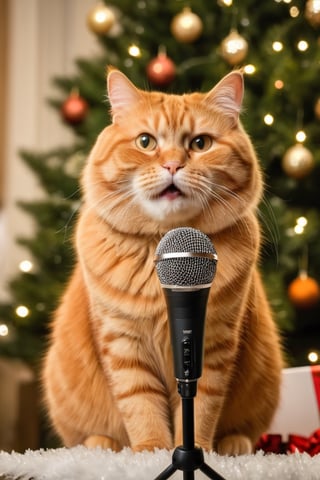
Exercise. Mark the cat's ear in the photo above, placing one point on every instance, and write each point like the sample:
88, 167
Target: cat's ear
227, 95
122, 94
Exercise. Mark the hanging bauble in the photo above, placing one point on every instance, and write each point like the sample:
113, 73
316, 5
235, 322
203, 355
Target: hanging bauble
75, 108
304, 291
100, 19
234, 48
161, 71
317, 109
186, 27
298, 161
312, 12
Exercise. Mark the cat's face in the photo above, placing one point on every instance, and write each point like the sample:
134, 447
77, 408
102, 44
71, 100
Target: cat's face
170, 160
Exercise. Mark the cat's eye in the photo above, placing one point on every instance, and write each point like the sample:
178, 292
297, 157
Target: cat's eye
201, 143
146, 142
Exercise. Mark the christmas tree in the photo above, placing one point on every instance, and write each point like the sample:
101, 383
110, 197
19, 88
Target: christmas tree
181, 46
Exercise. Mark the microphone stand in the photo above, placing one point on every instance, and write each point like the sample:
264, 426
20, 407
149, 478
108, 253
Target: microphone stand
188, 457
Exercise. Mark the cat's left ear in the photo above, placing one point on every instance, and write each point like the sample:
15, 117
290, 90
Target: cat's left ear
227, 95
122, 93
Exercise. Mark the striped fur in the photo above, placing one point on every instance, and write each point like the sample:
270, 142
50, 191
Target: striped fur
108, 376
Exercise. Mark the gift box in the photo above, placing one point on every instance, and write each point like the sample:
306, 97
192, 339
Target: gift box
296, 424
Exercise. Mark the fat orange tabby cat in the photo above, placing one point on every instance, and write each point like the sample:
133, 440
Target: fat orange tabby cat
165, 161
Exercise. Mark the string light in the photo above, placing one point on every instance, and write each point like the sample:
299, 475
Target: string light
249, 69
278, 84
298, 229
294, 12
4, 330
301, 223
22, 311
25, 266
301, 136
268, 119
134, 51
303, 45
313, 357
277, 46
226, 3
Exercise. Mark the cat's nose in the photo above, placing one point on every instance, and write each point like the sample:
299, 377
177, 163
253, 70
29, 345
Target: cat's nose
173, 166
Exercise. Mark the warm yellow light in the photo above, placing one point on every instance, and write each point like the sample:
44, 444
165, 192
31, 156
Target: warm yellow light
134, 51
278, 84
313, 357
25, 266
298, 229
287, 1
268, 119
226, 3
301, 136
302, 221
294, 12
4, 330
303, 45
22, 311
249, 69
277, 46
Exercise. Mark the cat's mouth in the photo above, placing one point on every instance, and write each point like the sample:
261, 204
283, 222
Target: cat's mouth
171, 192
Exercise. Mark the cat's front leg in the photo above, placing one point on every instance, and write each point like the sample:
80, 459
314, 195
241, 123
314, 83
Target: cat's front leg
208, 404
140, 396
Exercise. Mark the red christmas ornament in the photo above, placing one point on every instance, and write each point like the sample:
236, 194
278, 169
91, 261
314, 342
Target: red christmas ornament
161, 71
74, 109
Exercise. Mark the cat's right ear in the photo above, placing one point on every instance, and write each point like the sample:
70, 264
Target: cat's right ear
122, 94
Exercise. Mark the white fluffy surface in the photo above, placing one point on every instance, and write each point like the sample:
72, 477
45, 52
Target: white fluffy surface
80, 463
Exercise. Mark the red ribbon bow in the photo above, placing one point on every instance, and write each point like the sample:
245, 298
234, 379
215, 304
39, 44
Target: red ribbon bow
272, 443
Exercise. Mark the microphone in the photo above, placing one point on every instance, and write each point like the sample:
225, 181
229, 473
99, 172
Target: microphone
186, 265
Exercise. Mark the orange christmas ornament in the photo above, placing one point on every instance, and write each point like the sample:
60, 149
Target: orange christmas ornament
317, 109
304, 291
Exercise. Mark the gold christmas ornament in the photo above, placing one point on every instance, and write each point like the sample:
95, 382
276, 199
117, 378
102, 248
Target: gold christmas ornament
186, 27
100, 19
312, 12
298, 161
234, 48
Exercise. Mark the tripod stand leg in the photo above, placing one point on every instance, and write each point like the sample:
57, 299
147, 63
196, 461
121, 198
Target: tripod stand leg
210, 473
166, 473
188, 475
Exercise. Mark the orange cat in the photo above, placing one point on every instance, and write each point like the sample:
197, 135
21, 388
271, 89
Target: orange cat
165, 161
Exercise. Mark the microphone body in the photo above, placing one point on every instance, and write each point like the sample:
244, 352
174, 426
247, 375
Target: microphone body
187, 311
186, 265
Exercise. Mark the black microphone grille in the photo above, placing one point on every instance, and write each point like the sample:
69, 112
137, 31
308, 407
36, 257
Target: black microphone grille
185, 257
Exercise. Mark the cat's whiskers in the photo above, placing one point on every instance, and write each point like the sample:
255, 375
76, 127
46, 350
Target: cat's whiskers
207, 189
271, 226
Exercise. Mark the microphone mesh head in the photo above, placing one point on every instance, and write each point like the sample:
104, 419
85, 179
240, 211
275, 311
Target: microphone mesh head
185, 271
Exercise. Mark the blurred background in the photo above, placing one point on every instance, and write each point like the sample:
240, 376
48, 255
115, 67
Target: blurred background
53, 104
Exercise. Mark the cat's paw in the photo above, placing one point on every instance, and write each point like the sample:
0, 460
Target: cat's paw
234, 445
102, 441
150, 446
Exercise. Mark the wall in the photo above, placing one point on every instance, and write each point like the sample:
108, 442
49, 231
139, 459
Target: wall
44, 37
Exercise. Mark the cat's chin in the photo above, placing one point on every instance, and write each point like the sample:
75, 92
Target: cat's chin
173, 211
